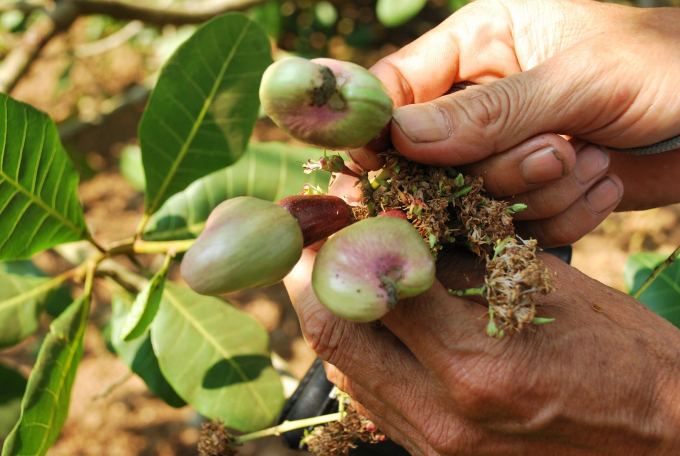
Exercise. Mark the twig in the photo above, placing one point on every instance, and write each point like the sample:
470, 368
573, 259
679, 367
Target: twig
19, 59
113, 385
112, 41
657, 272
195, 14
123, 276
109, 108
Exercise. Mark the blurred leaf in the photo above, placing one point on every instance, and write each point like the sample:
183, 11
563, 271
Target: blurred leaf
39, 205
131, 167
269, 171
57, 301
392, 13
48, 394
145, 307
167, 44
455, 5
13, 387
663, 295
268, 15
326, 13
22, 301
138, 354
217, 359
203, 109
11, 20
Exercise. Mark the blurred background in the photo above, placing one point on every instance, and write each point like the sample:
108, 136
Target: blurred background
92, 74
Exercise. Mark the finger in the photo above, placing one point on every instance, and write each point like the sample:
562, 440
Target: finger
525, 167
592, 162
387, 419
474, 44
367, 158
651, 180
579, 219
367, 353
556, 95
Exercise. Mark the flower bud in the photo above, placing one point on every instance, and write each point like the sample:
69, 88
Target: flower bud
325, 102
246, 243
362, 271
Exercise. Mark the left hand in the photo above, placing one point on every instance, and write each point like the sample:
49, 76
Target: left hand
602, 379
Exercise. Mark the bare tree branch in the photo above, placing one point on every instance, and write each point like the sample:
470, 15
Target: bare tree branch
19, 59
190, 14
66, 11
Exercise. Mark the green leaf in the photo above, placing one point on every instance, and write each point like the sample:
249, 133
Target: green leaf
663, 295
146, 305
138, 354
217, 359
205, 104
455, 5
131, 167
39, 205
392, 13
22, 301
269, 171
58, 300
48, 394
13, 387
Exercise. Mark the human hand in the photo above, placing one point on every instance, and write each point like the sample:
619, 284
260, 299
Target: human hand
599, 72
601, 379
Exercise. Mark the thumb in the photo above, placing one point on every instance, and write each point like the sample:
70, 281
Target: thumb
471, 124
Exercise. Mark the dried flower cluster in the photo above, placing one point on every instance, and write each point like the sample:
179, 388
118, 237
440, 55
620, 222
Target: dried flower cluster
515, 277
442, 204
214, 440
339, 437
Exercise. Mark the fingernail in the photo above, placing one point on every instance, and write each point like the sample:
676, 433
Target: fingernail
422, 122
590, 163
543, 165
602, 195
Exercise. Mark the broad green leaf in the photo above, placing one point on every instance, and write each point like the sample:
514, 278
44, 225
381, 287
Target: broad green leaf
138, 354
217, 359
392, 13
269, 171
205, 104
22, 301
663, 295
455, 5
39, 205
146, 305
13, 387
59, 299
48, 394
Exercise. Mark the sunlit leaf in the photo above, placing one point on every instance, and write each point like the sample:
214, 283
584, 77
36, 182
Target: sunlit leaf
269, 171
145, 307
39, 205
46, 402
392, 13
217, 359
138, 354
205, 104
663, 295
22, 301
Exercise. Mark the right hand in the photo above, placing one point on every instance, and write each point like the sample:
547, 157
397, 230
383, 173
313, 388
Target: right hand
602, 73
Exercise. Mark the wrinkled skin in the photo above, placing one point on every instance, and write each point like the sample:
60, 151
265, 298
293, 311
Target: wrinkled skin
604, 377
603, 73
597, 381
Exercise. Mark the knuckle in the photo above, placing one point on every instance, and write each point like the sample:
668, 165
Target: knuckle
327, 336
